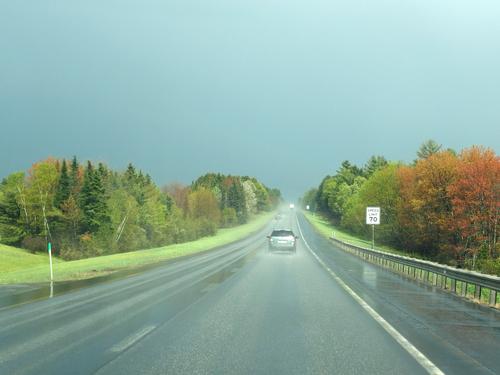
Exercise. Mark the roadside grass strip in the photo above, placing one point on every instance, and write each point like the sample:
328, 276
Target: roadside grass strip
13, 259
328, 230
29, 268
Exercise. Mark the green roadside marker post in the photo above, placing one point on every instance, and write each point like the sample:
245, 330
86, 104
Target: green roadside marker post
49, 248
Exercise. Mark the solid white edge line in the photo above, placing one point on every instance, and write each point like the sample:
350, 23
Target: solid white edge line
131, 340
425, 362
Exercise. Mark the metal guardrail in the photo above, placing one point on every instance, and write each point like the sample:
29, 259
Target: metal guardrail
469, 284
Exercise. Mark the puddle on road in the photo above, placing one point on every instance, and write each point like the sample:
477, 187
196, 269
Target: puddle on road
369, 275
214, 280
11, 295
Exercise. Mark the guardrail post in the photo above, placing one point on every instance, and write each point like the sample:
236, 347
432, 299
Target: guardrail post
493, 297
477, 292
464, 289
453, 285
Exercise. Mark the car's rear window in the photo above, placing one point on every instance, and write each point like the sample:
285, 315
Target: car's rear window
281, 233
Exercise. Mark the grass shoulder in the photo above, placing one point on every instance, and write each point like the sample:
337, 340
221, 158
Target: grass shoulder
324, 227
19, 266
13, 259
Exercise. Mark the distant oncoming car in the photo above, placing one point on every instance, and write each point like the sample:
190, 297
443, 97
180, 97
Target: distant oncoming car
282, 239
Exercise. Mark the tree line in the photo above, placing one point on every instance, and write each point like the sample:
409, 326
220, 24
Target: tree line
445, 206
89, 209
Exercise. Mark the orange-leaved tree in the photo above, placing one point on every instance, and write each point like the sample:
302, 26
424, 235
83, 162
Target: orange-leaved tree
475, 195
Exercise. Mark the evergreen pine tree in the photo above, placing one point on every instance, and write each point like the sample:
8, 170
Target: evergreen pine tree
236, 200
141, 189
11, 221
374, 164
93, 201
101, 208
85, 200
63, 187
428, 148
104, 175
103, 172
74, 176
130, 174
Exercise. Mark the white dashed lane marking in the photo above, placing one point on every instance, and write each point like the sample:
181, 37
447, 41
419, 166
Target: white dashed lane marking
131, 340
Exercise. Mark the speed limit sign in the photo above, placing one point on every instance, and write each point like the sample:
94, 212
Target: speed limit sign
373, 215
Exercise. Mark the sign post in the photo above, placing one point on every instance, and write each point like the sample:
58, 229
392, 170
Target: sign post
373, 236
373, 218
49, 248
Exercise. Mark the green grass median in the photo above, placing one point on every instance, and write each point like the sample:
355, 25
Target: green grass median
18, 266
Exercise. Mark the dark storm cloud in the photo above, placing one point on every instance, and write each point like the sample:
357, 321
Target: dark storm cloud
281, 90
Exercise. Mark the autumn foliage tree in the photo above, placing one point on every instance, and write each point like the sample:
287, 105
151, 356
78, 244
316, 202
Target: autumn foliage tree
444, 206
88, 209
202, 204
475, 196
238, 197
425, 208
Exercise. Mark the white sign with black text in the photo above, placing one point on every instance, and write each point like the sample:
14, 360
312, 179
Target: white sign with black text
373, 215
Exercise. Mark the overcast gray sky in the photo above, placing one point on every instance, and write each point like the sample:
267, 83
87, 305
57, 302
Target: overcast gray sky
283, 90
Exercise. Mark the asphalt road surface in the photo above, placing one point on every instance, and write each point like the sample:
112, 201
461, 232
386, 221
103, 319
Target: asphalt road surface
243, 310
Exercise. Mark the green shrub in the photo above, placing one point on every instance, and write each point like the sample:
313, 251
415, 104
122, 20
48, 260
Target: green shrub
34, 244
490, 266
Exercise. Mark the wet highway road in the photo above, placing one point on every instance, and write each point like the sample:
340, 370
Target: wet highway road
241, 309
